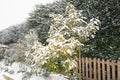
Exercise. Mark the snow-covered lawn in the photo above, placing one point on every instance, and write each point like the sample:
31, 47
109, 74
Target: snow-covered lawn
16, 72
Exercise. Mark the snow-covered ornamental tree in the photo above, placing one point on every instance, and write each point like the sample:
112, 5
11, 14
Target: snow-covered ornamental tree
68, 32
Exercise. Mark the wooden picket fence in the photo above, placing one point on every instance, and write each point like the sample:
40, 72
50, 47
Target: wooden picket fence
100, 69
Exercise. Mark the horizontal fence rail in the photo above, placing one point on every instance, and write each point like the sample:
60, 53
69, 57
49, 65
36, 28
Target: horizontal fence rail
100, 69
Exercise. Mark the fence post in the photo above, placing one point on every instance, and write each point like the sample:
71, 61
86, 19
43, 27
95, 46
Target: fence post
83, 68
99, 70
113, 70
103, 69
95, 74
108, 70
86, 68
118, 70
90, 68
79, 65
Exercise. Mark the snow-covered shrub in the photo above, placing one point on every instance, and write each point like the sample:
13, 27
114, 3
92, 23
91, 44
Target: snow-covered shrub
13, 33
17, 51
67, 34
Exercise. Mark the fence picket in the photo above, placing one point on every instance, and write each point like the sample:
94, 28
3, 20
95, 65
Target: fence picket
118, 73
95, 77
108, 70
86, 68
103, 70
113, 70
90, 68
83, 71
99, 70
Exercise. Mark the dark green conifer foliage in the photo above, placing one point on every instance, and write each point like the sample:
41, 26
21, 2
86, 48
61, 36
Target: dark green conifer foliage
107, 41
40, 19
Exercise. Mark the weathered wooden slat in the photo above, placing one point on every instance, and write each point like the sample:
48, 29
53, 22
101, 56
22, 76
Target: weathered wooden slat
95, 72
90, 68
86, 59
113, 70
118, 71
83, 66
103, 70
99, 70
108, 70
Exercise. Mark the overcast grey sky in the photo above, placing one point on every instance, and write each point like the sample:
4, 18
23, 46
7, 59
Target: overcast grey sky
16, 11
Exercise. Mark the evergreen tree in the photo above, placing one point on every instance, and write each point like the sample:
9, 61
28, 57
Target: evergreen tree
40, 19
107, 41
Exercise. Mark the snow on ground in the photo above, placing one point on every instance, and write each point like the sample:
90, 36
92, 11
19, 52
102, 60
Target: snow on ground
12, 71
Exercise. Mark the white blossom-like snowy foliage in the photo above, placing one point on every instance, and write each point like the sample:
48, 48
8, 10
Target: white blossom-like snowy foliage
67, 33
